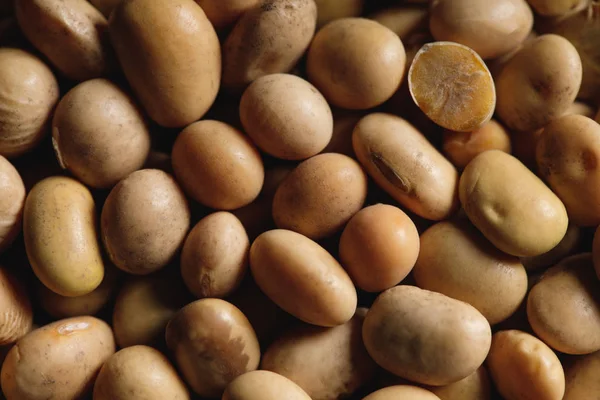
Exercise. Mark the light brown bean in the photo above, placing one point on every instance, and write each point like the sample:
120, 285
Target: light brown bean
401, 161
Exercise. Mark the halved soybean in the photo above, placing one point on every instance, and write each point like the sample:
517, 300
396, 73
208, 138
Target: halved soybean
452, 85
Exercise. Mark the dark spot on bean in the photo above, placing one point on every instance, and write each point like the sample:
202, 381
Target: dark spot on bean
390, 174
589, 160
268, 6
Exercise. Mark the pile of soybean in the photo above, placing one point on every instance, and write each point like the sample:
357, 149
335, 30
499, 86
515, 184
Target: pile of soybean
299, 199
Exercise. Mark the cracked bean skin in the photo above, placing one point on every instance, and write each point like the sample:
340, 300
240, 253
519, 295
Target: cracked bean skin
403, 163
58, 361
511, 206
452, 85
